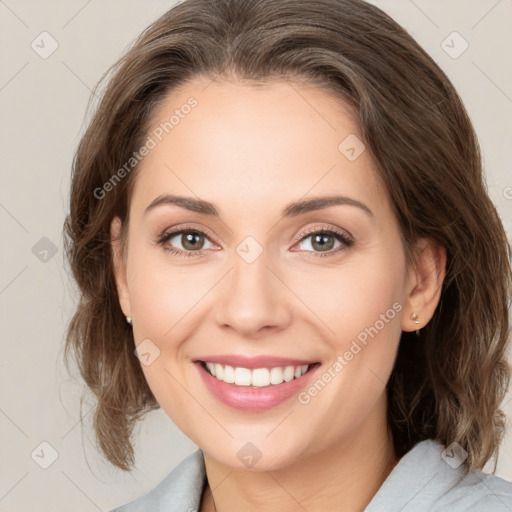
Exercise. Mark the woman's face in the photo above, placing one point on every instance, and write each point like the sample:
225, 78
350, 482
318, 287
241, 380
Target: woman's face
253, 284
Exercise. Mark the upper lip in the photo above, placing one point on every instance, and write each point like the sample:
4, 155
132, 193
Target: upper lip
254, 362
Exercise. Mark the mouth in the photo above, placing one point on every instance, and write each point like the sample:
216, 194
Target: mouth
254, 384
257, 377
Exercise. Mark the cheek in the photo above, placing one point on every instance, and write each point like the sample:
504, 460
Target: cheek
162, 300
161, 293
360, 309
167, 304
359, 306
364, 293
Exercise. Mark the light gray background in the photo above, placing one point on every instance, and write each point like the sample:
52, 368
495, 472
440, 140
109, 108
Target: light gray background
43, 104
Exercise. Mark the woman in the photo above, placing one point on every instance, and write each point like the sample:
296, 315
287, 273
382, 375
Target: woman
280, 229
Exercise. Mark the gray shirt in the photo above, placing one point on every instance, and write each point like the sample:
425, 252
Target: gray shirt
424, 480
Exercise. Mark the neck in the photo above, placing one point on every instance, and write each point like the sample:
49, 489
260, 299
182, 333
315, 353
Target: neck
341, 477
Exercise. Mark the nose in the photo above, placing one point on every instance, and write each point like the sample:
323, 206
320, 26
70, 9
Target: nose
252, 300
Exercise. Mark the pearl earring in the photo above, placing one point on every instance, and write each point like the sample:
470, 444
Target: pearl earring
414, 317
128, 320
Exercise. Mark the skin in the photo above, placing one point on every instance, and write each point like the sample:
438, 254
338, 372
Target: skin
251, 150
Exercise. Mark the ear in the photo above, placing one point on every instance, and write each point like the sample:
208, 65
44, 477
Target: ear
119, 266
424, 283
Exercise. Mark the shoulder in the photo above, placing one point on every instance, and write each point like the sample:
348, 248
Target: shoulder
430, 478
180, 490
479, 492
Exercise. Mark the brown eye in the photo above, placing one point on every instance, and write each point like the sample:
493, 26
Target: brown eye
192, 240
186, 242
324, 241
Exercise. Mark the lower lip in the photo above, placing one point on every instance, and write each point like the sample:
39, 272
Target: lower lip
247, 398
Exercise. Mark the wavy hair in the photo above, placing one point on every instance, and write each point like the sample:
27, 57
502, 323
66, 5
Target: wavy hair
448, 383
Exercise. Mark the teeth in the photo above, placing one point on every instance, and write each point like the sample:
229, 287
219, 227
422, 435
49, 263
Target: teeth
276, 376
211, 368
289, 373
259, 377
242, 377
219, 371
229, 374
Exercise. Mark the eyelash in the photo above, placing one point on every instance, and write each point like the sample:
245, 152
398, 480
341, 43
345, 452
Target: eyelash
340, 236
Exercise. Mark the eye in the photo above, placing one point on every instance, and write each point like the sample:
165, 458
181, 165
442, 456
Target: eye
325, 241
186, 242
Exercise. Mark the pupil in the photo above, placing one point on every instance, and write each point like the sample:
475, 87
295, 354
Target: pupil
189, 240
321, 240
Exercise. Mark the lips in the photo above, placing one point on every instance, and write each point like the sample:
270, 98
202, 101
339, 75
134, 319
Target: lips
259, 383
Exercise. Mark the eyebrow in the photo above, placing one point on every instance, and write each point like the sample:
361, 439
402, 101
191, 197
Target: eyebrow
291, 210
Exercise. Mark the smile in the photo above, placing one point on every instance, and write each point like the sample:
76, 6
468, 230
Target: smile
258, 377
254, 384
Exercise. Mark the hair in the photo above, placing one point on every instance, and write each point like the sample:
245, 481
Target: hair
448, 383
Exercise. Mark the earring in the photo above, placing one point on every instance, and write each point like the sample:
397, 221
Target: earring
414, 317
128, 320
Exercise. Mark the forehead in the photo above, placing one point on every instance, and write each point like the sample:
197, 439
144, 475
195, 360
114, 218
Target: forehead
243, 146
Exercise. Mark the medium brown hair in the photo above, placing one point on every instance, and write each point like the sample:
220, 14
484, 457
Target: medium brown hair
448, 383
